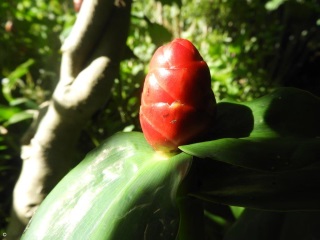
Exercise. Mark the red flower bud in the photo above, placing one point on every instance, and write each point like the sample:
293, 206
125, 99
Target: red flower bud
177, 104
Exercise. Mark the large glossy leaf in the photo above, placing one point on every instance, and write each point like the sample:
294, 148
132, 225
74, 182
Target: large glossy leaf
266, 154
220, 182
261, 154
121, 190
287, 112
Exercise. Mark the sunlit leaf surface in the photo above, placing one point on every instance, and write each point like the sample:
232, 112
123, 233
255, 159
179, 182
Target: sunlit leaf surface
121, 190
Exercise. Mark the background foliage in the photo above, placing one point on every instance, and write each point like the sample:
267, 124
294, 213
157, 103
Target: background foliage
264, 45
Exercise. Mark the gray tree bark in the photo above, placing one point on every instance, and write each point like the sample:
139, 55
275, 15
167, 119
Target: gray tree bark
90, 62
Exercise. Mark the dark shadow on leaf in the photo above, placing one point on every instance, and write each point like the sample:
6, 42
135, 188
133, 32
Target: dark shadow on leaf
294, 113
265, 225
255, 224
232, 120
225, 184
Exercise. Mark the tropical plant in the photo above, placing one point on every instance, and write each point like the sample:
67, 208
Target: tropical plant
124, 189
245, 63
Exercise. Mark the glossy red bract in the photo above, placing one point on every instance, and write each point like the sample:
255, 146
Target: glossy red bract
177, 104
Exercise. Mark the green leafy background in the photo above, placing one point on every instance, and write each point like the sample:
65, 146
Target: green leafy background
251, 47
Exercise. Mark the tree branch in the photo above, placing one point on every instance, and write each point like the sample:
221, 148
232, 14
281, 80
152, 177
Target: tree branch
90, 62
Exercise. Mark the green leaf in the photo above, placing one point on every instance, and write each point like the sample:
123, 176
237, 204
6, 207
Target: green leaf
158, 33
11, 80
262, 154
227, 184
121, 190
254, 224
7, 112
287, 112
29, 104
19, 117
20, 71
265, 156
278, 132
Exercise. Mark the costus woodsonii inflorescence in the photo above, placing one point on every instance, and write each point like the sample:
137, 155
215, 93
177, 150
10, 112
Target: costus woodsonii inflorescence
177, 104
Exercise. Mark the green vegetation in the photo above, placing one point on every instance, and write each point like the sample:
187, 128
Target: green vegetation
251, 47
125, 189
